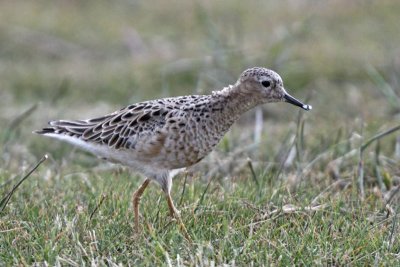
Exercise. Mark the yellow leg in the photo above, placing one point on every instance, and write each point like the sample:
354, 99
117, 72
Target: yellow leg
176, 214
136, 200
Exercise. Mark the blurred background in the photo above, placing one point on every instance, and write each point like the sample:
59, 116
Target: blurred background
77, 59
81, 59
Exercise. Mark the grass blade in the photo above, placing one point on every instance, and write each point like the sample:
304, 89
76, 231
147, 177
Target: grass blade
103, 196
365, 146
378, 136
5, 200
253, 173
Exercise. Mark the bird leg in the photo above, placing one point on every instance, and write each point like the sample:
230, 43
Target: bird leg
136, 200
176, 214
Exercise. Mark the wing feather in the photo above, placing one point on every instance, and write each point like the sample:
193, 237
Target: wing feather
120, 129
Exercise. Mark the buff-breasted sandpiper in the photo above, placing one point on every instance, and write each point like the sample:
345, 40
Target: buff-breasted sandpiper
157, 136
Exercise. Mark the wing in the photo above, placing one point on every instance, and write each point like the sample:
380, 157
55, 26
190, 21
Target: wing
121, 129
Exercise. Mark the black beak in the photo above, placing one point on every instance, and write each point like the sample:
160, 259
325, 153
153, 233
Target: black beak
290, 99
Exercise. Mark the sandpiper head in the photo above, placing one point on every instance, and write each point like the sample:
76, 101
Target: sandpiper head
267, 85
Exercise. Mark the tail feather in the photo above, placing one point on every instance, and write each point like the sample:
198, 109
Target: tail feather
73, 128
68, 131
65, 123
46, 130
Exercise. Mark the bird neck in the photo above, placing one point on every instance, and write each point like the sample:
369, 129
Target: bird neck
236, 101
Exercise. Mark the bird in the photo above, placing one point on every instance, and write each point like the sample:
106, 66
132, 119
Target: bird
159, 136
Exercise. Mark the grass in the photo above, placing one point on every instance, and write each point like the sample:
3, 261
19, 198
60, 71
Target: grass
321, 187
237, 223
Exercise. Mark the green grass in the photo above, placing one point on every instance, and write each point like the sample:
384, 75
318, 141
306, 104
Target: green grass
49, 220
307, 201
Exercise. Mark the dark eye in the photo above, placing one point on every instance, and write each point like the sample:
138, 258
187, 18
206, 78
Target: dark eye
266, 83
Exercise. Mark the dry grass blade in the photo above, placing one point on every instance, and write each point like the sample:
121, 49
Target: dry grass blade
378, 136
17, 121
384, 86
5, 200
288, 209
103, 196
183, 189
340, 183
286, 154
8, 181
202, 195
393, 229
377, 168
258, 125
361, 178
365, 146
393, 193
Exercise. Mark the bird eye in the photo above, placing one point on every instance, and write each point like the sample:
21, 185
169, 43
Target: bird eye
266, 83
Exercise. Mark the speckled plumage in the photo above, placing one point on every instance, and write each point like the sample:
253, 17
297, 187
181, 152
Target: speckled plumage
157, 136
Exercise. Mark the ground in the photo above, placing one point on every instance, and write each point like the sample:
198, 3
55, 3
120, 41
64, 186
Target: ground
284, 187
